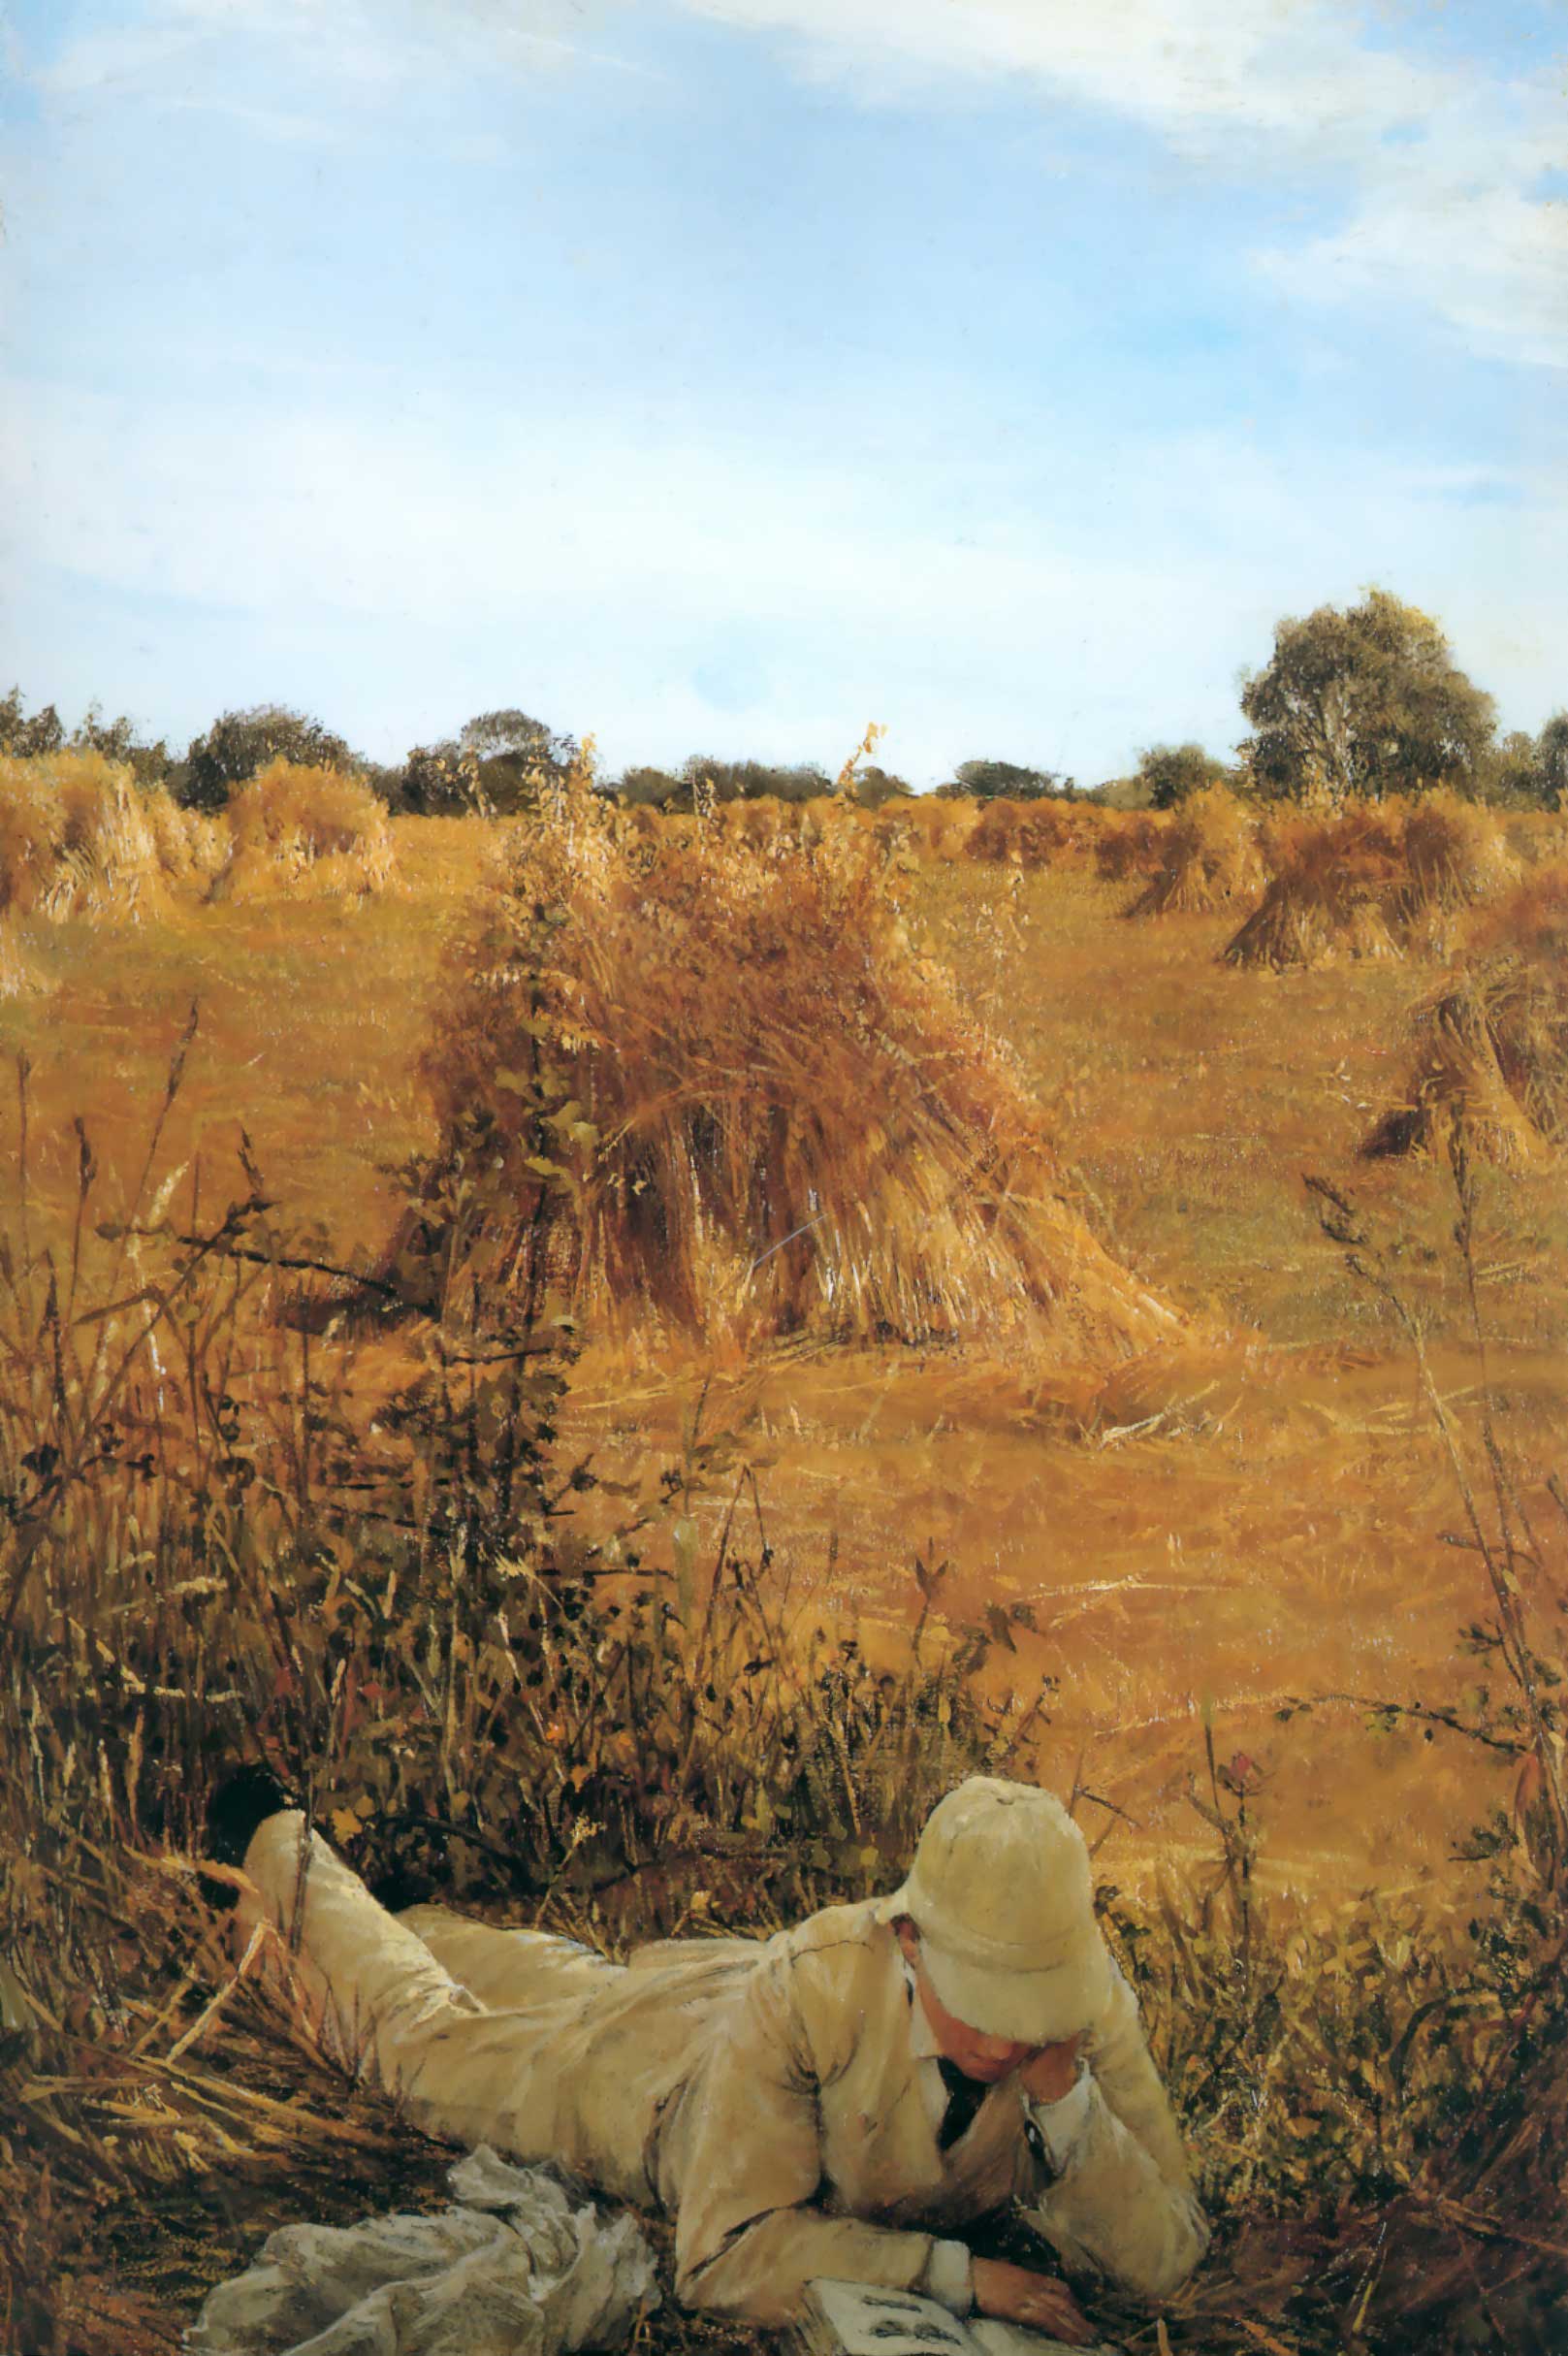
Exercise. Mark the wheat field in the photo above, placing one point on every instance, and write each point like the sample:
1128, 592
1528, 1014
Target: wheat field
382, 1389
1215, 1528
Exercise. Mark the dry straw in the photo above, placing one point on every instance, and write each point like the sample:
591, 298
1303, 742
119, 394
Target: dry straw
729, 1096
1040, 833
939, 828
79, 838
1458, 858
1491, 1044
1130, 843
1373, 880
1536, 837
758, 825
1207, 855
300, 830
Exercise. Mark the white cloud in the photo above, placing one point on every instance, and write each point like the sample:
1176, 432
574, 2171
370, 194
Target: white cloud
1200, 70
1492, 260
1436, 166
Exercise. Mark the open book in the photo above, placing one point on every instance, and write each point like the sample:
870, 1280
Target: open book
857, 2319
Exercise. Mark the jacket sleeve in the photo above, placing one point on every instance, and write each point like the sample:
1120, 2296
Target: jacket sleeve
1121, 2201
751, 2228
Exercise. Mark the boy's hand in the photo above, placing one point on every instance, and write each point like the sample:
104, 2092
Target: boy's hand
1052, 2072
1039, 2301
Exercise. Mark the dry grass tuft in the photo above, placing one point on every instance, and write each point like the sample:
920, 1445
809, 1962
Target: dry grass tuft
1373, 880
30, 824
1029, 834
1334, 886
20, 976
192, 846
1458, 858
80, 839
1491, 1052
1208, 855
1130, 843
765, 823
929, 825
1536, 837
298, 830
772, 1115
758, 825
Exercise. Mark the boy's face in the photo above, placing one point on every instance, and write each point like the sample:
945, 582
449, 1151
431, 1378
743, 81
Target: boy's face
985, 2058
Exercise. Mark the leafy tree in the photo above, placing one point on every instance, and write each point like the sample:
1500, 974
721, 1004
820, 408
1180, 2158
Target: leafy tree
733, 781
1368, 700
117, 740
493, 765
1552, 756
746, 781
514, 751
1169, 772
736, 781
1005, 781
660, 789
239, 743
1512, 771
385, 779
873, 786
440, 781
1120, 793
23, 738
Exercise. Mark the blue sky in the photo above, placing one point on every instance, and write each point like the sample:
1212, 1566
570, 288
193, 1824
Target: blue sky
724, 376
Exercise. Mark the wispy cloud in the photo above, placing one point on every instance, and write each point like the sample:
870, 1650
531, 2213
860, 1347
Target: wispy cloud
1202, 70
365, 50
1457, 223
1439, 170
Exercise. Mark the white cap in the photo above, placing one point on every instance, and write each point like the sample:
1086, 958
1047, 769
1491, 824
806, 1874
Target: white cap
1002, 1896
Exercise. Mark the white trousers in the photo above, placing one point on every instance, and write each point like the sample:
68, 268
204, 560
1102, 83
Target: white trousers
475, 2031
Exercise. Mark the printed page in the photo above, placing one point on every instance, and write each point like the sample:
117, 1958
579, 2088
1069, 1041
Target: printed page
870, 2322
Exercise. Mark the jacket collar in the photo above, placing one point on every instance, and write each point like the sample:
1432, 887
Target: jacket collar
923, 2044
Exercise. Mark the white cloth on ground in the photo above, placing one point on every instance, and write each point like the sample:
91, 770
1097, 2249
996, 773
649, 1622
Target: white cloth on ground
514, 2270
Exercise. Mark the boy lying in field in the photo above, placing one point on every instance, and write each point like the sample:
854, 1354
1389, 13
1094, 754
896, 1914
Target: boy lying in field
840, 2100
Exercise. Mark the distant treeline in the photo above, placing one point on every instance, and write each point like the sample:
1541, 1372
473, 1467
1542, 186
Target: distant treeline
1363, 702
